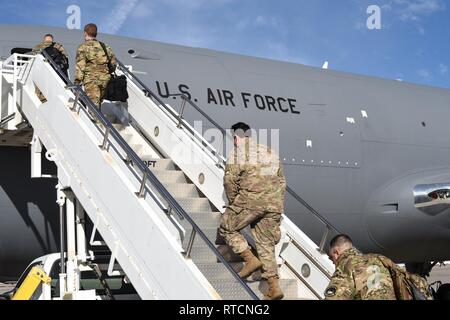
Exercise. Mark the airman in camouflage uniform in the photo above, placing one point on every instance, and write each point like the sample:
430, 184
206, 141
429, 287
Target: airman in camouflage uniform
358, 276
92, 65
47, 42
255, 186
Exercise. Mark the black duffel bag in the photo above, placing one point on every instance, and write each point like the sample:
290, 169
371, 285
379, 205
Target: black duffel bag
116, 89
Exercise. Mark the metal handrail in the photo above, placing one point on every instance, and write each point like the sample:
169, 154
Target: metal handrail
6, 119
220, 157
147, 173
328, 226
311, 209
179, 116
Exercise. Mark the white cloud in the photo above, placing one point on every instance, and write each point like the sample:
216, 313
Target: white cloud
118, 16
360, 26
191, 5
242, 24
424, 73
259, 21
413, 10
443, 69
142, 10
266, 21
280, 51
386, 7
186, 25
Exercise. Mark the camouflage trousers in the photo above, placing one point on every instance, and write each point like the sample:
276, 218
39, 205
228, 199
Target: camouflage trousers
266, 232
95, 90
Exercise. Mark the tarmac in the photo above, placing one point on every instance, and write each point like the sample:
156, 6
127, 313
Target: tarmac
4, 287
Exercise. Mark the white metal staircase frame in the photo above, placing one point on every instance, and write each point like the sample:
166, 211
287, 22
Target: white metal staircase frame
297, 249
90, 161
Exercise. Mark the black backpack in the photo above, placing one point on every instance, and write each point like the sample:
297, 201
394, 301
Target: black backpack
58, 57
116, 89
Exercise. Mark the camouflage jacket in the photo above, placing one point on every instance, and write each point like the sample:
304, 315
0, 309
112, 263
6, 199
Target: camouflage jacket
92, 63
360, 277
254, 178
44, 45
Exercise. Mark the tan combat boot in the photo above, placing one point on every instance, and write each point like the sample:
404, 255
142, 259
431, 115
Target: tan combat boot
274, 292
252, 264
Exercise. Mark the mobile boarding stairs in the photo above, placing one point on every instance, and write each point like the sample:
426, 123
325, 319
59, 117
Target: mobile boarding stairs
153, 190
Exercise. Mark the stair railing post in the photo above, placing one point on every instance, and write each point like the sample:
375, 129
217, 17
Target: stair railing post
324, 239
141, 193
190, 244
180, 115
105, 139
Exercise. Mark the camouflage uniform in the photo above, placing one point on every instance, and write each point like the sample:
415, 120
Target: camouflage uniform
255, 186
92, 69
360, 277
36, 50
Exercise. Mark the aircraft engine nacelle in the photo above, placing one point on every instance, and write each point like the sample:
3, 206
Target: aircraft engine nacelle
411, 214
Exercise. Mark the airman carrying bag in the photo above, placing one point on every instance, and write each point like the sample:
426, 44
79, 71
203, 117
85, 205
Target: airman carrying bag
116, 89
59, 58
407, 286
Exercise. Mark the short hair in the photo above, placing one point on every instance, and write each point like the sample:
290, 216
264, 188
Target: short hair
241, 129
49, 35
340, 240
91, 29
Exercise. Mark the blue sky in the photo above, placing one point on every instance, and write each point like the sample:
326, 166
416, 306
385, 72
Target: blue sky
413, 43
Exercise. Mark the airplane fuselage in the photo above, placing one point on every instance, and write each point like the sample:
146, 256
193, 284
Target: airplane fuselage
354, 147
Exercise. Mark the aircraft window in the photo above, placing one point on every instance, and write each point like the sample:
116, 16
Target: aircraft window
424, 124
131, 51
341, 133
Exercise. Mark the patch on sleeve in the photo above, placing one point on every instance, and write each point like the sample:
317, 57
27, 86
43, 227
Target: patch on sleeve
330, 292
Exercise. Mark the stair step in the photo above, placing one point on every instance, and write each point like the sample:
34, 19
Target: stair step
203, 254
136, 147
170, 176
182, 190
155, 164
218, 270
136, 142
121, 128
132, 138
158, 164
195, 204
232, 290
204, 220
210, 232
